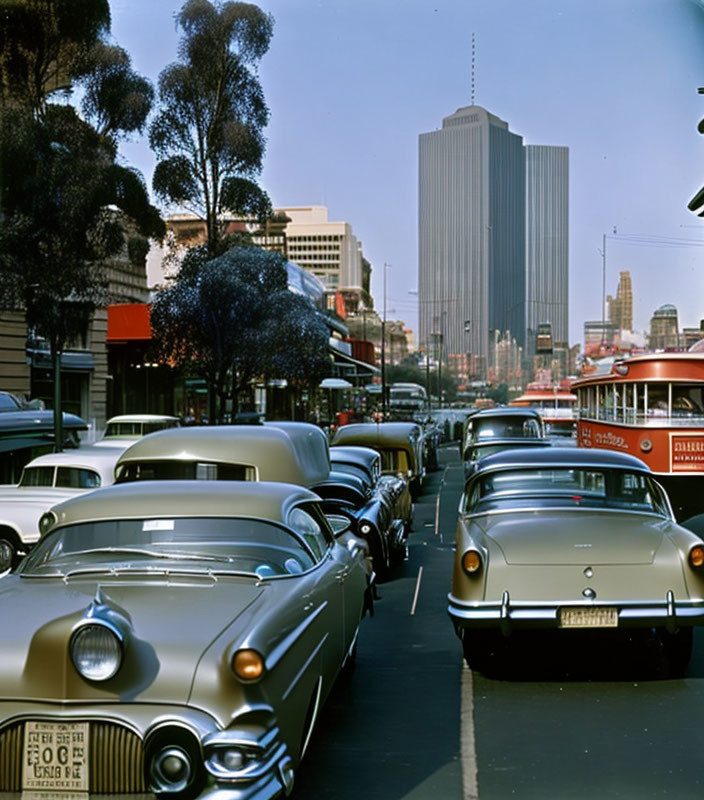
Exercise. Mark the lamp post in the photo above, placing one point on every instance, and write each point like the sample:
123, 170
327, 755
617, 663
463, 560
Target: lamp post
383, 353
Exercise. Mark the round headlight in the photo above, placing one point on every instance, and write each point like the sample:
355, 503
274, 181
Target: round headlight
248, 665
365, 528
96, 652
46, 522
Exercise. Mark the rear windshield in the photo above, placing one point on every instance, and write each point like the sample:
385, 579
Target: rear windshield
498, 428
184, 470
605, 488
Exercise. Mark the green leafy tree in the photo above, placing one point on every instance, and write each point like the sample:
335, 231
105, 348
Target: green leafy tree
232, 318
207, 133
63, 196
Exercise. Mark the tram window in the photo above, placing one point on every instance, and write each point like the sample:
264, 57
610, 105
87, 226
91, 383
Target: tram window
657, 400
686, 400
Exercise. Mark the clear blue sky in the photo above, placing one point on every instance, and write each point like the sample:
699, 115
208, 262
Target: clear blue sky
352, 83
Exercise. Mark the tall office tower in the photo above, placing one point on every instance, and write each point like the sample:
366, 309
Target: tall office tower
547, 243
493, 235
471, 233
621, 306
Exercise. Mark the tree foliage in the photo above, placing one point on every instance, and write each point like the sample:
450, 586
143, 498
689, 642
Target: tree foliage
207, 134
63, 195
232, 318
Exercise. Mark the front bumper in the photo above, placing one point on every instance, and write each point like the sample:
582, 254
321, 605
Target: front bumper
507, 616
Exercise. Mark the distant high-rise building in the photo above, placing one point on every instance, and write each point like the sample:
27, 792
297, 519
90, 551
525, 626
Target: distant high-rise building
547, 243
664, 329
621, 306
492, 236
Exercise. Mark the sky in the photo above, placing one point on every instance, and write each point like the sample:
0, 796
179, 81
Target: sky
351, 84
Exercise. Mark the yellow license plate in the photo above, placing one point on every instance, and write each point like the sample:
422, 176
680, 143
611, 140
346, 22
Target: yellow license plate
55, 757
588, 618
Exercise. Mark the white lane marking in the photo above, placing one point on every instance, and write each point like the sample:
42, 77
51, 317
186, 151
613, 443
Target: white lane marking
437, 503
470, 788
415, 596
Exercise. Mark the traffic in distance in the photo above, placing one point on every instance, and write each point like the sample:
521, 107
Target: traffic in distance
185, 606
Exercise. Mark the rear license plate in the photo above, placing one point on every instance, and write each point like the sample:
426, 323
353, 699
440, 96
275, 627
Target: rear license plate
55, 757
588, 618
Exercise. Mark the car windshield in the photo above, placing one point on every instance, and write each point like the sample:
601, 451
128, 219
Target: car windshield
393, 460
195, 543
589, 486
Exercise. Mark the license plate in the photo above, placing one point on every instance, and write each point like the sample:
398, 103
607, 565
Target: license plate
588, 618
55, 757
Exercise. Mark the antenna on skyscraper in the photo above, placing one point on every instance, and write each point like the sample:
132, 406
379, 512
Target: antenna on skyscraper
474, 51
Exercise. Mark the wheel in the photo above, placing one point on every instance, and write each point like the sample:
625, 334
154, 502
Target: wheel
8, 554
678, 650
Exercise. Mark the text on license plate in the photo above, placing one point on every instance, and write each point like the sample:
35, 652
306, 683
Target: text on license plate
55, 757
588, 618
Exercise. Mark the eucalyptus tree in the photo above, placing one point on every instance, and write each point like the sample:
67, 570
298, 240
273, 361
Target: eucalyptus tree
208, 131
232, 318
63, 194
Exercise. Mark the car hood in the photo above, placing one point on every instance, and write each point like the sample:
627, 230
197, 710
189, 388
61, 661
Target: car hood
555, 537
169, 624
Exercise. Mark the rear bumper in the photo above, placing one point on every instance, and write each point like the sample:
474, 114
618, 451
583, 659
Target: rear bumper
507, 616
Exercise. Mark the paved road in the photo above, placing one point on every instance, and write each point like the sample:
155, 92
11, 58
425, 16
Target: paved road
590, 722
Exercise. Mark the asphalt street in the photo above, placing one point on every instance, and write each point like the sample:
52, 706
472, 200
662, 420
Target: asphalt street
587, 719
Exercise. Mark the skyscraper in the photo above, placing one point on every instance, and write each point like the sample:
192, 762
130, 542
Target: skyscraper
621, 306
492, 234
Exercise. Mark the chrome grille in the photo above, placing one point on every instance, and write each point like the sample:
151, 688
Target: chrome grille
116, 759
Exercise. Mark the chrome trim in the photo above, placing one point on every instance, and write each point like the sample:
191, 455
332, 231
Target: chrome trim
532, 509
505, 614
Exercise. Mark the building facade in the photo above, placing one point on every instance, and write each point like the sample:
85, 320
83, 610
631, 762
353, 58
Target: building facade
621, 306
493, 237
547, 244
664, 329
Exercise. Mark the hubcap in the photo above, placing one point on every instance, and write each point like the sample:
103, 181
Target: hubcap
7, 555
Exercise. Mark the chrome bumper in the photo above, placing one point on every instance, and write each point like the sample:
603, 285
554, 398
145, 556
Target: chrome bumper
667, 613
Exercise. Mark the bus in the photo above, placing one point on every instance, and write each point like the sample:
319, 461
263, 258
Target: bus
407, 401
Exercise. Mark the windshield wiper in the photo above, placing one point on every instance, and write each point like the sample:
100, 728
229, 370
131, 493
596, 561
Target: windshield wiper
152, 554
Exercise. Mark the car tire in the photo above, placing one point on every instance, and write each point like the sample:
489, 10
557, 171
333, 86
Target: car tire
483, 650
678, 651
8, 554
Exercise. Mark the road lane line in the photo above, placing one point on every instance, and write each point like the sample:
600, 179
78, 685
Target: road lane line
415, 596
470, 788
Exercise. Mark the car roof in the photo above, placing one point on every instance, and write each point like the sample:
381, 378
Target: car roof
377, 434
161, 499
354, 454
555, 456
507, 411
288, 452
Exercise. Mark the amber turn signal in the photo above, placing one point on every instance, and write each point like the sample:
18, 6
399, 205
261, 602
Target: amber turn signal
471, 562
248, 665
696, 557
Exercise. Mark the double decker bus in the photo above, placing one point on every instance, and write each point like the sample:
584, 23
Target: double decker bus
651, 406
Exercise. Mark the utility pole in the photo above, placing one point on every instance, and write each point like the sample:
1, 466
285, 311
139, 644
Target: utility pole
383, 353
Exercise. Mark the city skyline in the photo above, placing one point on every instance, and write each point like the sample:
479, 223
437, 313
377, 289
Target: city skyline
352, 85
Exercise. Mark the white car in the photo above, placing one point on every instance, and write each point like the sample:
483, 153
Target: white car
125, 429
45, 481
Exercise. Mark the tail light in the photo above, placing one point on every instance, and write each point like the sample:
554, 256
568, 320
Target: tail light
696, 557
472, 562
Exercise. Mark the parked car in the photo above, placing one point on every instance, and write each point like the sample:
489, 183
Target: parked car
491, 430
45, 481
399, 443
177, 640
19, 418
123, 430
568, 539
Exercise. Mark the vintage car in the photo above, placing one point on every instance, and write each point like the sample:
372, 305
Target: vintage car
399, 443
491, 430
292, 452
174, 642
567, 539
45, 481
19, 418
125, 429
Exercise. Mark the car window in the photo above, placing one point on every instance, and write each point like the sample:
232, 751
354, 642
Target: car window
589, 487
77, 478
304, 524
172, 470
236, 544
115, 429
37, 476
8, 402
394, 460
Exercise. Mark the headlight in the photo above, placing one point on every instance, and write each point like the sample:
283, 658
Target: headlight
365, 528
46, 522
472, 562
248, 665
96, 652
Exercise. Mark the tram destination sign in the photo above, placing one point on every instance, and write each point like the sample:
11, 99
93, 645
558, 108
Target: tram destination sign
687, 452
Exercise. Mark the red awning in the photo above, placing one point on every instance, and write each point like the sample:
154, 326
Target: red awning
128, 322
